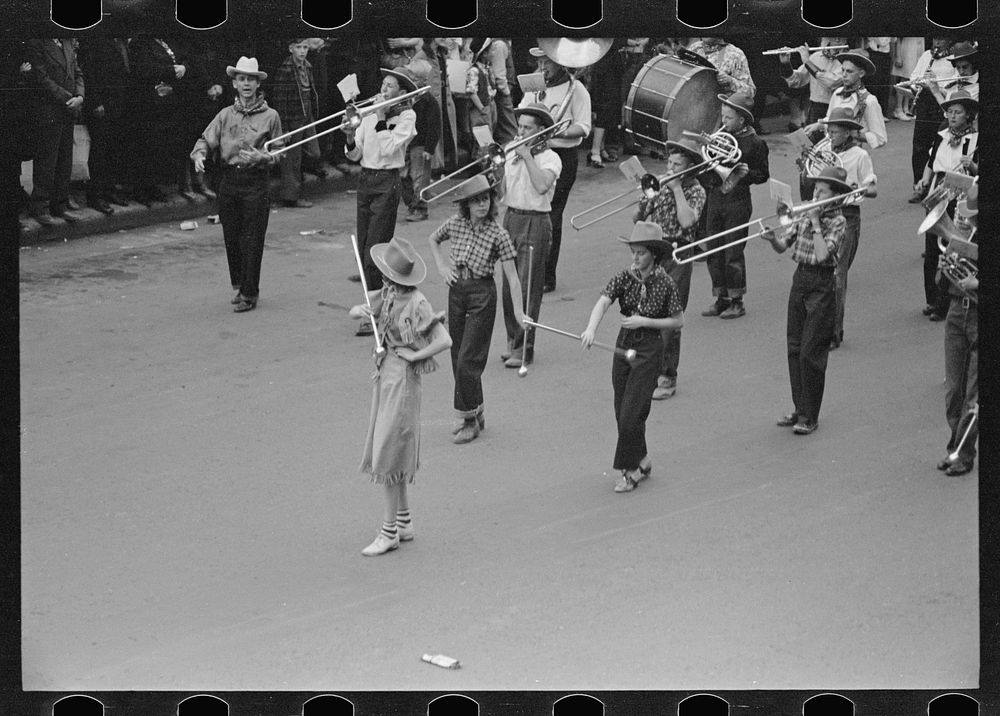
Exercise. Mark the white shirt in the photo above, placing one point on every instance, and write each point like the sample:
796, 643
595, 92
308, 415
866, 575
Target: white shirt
519, 192
578, 110
872, 121
947, 158
860, 170
940, 68
385, 149
821, 85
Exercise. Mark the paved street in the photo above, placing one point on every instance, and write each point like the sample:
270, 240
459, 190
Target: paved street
193, 514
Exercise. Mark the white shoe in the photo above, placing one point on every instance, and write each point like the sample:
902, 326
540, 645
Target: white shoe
405, 533
381, 545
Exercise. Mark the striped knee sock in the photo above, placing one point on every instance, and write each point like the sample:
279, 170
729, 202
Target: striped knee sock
403, 518
389, 529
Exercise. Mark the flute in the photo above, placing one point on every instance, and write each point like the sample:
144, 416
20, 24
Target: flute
790, 50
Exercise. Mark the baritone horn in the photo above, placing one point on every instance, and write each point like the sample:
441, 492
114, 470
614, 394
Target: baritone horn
820, 156
574, 54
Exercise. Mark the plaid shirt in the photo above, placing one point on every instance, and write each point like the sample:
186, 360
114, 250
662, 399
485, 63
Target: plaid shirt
833, 226
656, 297
731, 60
662, 210
476, 248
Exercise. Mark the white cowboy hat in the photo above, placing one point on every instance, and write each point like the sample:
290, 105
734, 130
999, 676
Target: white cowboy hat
246, 66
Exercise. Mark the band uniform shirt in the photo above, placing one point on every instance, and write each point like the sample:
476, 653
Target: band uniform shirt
383, 147
656, 297
833, 226
520, 193
940, 67
970, 84
820, 73
235, 128
664, 211
858, 165
731, 60
866, 110
579, 110
945, 158
475, 248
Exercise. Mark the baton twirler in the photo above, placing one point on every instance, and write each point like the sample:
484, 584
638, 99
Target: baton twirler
628, 355
379, 348
523, 370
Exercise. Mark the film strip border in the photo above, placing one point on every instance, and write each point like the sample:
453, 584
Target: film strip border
697, 704
480, 15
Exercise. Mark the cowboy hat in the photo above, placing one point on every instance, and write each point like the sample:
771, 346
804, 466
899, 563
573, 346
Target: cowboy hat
836, 177
399, 262
537, 110
407, 80
742, 103
688, 146
859, 58
960, 96
246, 66
647, 233
475, 186
962, 49
842, 116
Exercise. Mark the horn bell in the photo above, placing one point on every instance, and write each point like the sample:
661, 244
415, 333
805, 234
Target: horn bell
575, 52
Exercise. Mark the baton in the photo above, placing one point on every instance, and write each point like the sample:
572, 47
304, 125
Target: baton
628, 355
379, 348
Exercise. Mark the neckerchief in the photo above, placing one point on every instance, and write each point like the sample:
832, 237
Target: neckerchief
961, 82
955, 137
845, 92
840, 149
257, 105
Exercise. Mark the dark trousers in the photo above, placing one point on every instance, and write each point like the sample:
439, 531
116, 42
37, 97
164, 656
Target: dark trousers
633, 385
416, 176
880, 84
811, 313
378, 200
292, 162
933, 293
926, 124
53, 164
681, 274
848, 250
961, 368
727, 269
526, 230
106, 159
506, 127
244, 210
567, 177
472, 310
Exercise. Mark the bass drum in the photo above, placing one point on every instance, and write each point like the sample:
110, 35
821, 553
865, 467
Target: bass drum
669, 96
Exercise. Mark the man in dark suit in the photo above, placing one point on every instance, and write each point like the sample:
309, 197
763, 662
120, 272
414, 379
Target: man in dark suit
60, 84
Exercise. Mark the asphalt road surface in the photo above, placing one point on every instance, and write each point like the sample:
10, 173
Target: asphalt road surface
193, 513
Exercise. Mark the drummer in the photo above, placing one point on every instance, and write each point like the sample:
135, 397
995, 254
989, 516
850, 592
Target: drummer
730, 61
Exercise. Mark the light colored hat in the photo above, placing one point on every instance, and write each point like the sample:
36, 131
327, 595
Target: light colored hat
538, 110
407, 80
246, 66
537, 52
836, 177
844, 117
860, 58
960, 96
647, 233
475, 186
742, 103
399, 262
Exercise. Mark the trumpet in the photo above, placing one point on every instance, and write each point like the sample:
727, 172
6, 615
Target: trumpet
495, 157
717, 148
957, 268
789, 50
352, 115
818, 157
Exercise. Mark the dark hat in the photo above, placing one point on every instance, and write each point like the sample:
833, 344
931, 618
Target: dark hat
246, 66
960, 96
860, 58
399, 262
538, 110
742, 103
688, 146
844, 117
475, 186
962, 49
836, 177
647, 233
407, 80
487, 41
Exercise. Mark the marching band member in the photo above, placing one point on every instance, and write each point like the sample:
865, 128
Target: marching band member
239, 132
955, 149
380, 144
676, 209
963, 60
819, 70
731, 63
926, 107
557, 86
840, 127
412, 334
854, 67
815, 240
477, 243
529, 183
649, 303
961, 356
729, 205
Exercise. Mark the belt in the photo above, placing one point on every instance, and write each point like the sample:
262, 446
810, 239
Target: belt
528, 212
818, 268
464, 272
367, 170
245, 169
964, 300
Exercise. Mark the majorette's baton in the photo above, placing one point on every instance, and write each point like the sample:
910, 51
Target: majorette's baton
628, 355
379, 348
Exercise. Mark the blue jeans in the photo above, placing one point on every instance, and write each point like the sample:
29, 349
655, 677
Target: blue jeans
244, 210
472, 310
526, 230
845, 258
727, 269
633, 384
811, 312
961, 369
378, 200
681, 274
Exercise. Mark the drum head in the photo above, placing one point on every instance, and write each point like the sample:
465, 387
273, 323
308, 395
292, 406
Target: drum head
669, 96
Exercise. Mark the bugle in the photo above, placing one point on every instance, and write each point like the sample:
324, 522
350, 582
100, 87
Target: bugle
717, 148
352, 115
790, 50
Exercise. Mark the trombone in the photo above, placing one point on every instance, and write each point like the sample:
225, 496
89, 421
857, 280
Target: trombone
495, 157
352, 114
786, 215
718, 148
